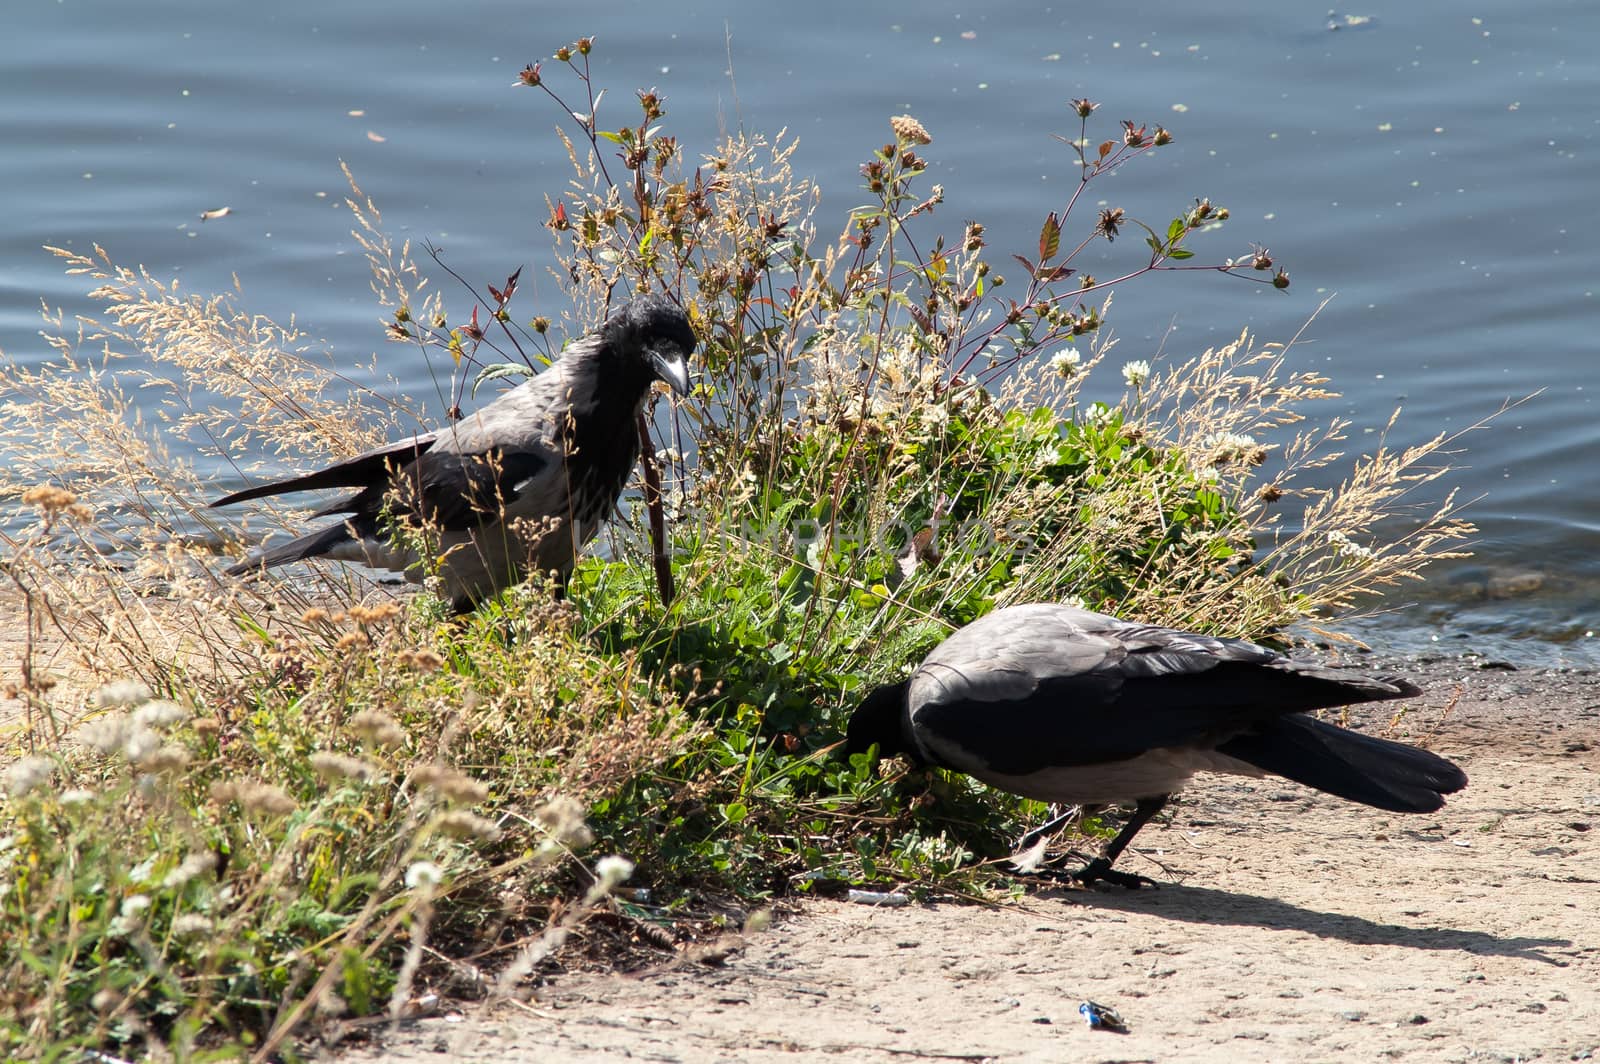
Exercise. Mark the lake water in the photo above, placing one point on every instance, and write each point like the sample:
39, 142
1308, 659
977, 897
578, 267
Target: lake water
1433, 169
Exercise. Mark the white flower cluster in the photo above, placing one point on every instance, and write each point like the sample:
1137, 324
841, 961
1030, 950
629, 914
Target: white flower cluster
1136, 373
1345, 547
1067, 363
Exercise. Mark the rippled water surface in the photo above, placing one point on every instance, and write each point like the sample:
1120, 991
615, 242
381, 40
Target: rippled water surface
1432, 168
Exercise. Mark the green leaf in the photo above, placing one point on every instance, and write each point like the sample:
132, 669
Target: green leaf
1180, 253
1176, 229
1049, 238
357, 991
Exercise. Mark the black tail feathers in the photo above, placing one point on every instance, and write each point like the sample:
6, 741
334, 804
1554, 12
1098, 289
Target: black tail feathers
310, 545
1359, 768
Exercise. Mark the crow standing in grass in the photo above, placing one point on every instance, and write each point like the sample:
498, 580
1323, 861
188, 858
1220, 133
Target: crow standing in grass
521, 484
1064, 705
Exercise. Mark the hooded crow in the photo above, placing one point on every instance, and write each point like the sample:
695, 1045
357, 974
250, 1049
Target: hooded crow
520, 485
1063, 705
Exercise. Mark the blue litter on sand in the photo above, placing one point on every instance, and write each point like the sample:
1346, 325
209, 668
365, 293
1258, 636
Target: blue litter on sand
1102, 1017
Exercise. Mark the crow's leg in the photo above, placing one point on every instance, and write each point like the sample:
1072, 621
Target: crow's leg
1100, 867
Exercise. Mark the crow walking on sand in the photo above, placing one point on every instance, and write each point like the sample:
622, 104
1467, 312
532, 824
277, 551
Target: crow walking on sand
518, 486
1063, 705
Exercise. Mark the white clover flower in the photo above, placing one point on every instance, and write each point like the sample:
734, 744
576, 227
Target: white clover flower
140, 744
193, 865
1100, 415
191, 924
106, 734
612, 870
1067, 363
27, 774
423, 874
1136, 373
159, 714
133, 905
1345, 547
122, 693
76, 796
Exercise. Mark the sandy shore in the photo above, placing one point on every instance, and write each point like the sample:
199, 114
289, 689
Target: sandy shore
1288, 926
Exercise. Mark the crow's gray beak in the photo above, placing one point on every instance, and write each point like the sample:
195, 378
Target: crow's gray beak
671, 367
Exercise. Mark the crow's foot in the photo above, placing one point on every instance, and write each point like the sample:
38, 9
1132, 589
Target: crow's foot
1100, 869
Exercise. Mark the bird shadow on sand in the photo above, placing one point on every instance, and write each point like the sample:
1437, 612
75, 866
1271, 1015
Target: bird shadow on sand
1206, 905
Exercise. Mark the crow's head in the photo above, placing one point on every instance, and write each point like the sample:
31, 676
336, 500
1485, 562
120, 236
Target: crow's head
651, 336
881, 719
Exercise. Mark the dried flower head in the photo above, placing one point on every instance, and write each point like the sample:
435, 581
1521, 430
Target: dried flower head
460, 824
908, 130
121, 693
191, 925
28, 774
612, 870
160, 714
254, 796
169, 757
421, 659
378, 728
423, 874
453, 784
563, 818
369, 615
196, 864
332, 766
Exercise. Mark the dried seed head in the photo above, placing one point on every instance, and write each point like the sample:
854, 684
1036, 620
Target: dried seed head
254, 796
48, 498
28, 774
159, 714
908, 130
530, 75
122, 693
106, 734
1084, 107
378, 728
191, 925
369, 615
1110, 220
423, 874
196, 864
332, 766
612, 870
563, 818
454, 785
460, 824
167, 758
423, 659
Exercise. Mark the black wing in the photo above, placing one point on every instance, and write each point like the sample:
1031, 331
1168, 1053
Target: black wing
1047, 686
457, 492
365, 470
